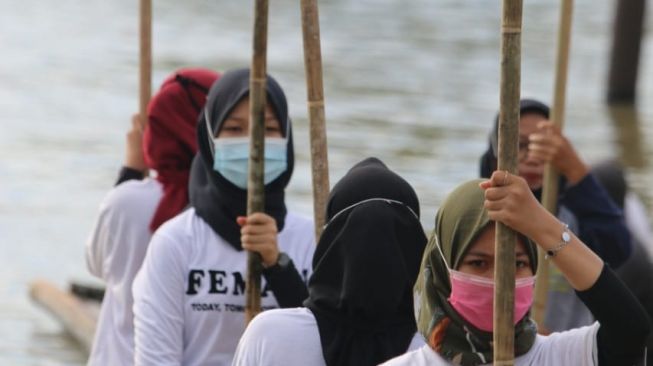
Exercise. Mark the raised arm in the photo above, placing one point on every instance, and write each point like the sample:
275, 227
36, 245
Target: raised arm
134, 165
601, 223
624, 324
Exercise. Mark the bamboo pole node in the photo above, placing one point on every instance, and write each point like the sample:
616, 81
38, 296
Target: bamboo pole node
503, 363
316, 103
510, 30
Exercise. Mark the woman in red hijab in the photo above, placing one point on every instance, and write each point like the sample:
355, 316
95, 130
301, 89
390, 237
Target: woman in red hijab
136, 207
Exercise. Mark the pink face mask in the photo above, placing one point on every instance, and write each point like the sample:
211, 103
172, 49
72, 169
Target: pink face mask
473, 297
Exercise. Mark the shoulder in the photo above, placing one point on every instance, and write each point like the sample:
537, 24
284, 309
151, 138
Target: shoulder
572, 347
420, 357
133, 195
286, 320
273, 337
186, 225
175, 234
582, 333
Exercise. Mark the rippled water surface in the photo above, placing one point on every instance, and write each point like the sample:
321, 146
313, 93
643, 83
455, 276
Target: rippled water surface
415, 85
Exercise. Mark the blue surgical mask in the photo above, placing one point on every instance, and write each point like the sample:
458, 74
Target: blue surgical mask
231, 158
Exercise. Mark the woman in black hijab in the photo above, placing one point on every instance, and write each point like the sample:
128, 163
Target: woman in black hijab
360, 308
189, 294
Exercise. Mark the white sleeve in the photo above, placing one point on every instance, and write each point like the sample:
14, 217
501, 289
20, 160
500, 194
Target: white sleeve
158, 304
98, 244
573, 347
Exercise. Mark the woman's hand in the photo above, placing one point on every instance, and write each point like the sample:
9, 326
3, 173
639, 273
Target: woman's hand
134, 152
551, 146
258, 233
509, 200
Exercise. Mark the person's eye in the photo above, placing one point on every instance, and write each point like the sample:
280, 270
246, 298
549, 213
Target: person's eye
522, 264
476, 263
232, 128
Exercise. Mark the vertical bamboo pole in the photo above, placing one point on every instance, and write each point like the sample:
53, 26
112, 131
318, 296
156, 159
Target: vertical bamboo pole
145, 62
145, 59
255, 185
504, 267
628, 30
551, 177
315, 96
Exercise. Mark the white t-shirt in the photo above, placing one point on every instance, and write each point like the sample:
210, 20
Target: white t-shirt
576, 347
286, 337
189, 296
114, 253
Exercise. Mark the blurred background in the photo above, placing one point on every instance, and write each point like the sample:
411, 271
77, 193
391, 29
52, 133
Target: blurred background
413, 83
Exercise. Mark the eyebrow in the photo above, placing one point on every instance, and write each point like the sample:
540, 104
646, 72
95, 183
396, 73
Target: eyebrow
480, 254
486, 255
267, 118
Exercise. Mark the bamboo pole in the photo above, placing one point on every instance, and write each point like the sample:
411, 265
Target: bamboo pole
255, 185
504, 267
315, 96
145, 59
551, 177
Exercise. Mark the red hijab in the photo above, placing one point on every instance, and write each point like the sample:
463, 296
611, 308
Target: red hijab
169, 141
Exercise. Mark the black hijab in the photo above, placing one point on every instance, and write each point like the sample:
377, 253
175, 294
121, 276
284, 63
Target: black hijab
215, 199
364, 267
488, 163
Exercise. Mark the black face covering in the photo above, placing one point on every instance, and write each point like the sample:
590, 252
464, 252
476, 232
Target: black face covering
365, 266
215, 199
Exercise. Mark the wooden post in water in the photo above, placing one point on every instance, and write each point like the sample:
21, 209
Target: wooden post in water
551, 176
504, 267
315, 96
626, 45
145, 59
255, 183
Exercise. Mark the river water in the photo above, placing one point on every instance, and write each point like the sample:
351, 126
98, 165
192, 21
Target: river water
415, 85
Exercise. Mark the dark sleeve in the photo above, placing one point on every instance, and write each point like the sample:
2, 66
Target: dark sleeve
624, 324
287, 285
601, 223
128, 174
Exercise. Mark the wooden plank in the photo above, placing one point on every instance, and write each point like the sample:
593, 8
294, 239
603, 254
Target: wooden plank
79, 318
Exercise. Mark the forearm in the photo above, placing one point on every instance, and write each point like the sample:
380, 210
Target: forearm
287, 285
573, 168
623, 322
127, 173
580, 265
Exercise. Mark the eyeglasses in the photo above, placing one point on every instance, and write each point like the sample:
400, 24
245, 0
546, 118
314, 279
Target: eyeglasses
522, 153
